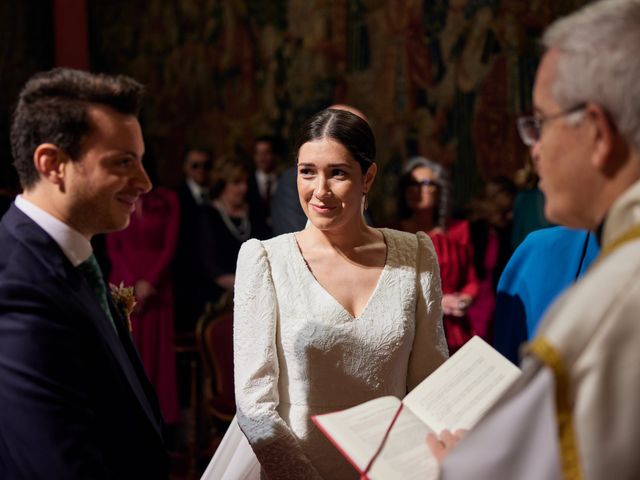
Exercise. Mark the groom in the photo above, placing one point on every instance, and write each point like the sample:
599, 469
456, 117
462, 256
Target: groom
74, 399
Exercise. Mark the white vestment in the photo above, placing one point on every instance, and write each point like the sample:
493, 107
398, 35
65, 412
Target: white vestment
595, 329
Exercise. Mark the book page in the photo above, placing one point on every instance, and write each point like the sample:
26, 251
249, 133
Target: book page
358, 432
463, 388
405, 454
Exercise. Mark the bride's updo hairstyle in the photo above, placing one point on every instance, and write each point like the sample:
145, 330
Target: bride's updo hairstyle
344, 127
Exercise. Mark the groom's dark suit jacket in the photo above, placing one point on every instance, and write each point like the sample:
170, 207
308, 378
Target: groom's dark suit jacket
74, 399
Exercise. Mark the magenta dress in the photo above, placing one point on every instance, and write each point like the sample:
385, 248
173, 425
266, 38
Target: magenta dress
144, 250
483, 307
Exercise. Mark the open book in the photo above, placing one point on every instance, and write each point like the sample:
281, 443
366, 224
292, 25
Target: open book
454, 396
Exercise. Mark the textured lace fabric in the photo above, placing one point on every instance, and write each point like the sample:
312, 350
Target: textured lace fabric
298, 352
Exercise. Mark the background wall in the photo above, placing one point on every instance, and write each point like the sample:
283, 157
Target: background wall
445, 79
26, 46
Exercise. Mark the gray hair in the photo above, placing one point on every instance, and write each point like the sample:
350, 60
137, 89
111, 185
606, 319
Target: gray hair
600, 61
442, 177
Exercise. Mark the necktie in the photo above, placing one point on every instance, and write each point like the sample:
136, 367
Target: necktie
91, 271
267, 192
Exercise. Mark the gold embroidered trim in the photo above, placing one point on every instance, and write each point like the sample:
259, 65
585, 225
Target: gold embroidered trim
569, 455
631, 234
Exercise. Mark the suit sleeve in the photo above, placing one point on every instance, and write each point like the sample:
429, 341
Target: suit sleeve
257, 369
46, 418
429, 344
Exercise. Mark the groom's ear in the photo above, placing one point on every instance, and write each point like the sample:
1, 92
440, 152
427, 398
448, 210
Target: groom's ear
51, 162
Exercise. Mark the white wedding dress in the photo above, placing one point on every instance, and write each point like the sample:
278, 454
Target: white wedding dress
298, 353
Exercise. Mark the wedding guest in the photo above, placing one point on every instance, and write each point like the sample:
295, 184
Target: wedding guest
574, 411
423, 206
490, 225
191, 289
286, 213
328, 317
141, 257
528, 206
74, 399
263, 179
226, 223
548, 262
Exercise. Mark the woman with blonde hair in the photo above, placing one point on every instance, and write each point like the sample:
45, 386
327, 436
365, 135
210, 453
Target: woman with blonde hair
226, 223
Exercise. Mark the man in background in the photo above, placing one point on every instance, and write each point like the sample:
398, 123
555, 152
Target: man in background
263, 182
196, 167
74, 398
191, 289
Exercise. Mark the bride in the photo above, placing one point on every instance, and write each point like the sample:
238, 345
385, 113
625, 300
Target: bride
328, 317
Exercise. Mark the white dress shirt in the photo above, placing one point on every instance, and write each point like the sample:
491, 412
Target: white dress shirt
262, 178
200, 194
75, 246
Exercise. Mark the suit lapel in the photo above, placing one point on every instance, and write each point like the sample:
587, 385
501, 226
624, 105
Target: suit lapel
134, 360
115, 342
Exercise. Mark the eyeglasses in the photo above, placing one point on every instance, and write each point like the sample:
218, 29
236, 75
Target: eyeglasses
200, 166
530, 127
432, 184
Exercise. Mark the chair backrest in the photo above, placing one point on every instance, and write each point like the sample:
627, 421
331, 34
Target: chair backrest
215, 338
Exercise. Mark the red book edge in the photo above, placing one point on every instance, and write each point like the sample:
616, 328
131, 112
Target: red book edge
363, 474
340, 449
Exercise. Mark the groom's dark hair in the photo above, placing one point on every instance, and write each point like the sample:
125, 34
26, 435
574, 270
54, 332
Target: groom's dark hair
52, 108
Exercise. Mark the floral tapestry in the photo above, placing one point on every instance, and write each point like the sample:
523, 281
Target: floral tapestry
443, 79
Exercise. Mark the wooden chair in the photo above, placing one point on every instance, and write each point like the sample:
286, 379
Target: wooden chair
214, 334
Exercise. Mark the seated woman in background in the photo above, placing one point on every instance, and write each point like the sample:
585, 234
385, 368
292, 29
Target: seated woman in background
423, 207
227, 223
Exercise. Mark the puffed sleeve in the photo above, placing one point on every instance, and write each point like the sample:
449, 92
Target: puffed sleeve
257, 370
429, 349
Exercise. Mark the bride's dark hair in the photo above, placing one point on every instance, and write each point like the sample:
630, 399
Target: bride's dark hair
346, 128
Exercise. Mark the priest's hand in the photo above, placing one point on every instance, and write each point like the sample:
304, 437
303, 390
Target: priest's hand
442, 445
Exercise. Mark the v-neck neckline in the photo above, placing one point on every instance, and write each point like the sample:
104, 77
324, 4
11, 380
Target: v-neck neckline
305, 266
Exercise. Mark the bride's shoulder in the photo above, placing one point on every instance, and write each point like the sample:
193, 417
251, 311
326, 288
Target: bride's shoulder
272, 246
408, 245
400, 238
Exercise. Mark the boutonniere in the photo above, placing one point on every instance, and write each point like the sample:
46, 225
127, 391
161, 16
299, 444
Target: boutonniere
124, 300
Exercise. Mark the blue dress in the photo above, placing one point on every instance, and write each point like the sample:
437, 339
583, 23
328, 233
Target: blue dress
541, 268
